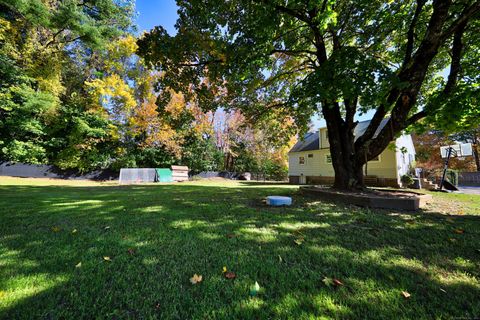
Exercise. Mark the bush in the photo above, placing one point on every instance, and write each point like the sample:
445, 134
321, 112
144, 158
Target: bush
452, 176
406, 180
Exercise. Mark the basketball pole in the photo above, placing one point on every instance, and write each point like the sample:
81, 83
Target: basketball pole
449, 153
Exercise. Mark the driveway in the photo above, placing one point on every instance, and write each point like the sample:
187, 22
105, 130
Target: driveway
469, 190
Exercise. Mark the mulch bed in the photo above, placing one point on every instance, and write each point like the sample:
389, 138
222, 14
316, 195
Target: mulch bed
374, 198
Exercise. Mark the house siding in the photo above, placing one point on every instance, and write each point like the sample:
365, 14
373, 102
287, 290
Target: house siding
317, 171
385, 168
324, 144
404, 160
317, 165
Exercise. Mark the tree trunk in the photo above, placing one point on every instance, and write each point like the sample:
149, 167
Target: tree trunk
476, 156
347, 165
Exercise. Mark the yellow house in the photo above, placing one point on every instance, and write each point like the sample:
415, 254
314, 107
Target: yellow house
309, 161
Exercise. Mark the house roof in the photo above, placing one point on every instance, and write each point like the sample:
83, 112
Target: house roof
311, 140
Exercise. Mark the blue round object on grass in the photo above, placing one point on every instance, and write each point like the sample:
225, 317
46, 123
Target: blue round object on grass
279, 201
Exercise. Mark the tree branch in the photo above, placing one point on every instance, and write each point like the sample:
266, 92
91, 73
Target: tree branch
54, 37
412, 72
455, 66
201, 63
411, 31
292, 52
350, 109
417, 116
466, 15
293, 13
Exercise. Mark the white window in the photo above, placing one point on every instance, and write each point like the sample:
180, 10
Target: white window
301, 160
328, 158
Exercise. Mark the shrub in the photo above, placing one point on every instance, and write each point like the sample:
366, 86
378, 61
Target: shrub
406, 180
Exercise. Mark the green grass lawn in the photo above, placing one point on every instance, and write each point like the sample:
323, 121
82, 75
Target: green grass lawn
54, 236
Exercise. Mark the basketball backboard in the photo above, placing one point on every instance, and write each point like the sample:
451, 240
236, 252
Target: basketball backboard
458, 150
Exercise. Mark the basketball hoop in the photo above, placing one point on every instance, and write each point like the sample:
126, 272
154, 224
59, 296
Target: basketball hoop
459, 150
456, 150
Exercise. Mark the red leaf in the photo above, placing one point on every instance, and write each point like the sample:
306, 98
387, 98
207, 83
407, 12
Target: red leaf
337, 282
230, 275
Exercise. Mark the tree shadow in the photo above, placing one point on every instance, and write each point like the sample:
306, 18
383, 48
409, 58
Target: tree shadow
157, 236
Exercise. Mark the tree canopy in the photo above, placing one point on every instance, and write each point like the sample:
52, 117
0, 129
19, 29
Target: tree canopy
73, 93
336, 57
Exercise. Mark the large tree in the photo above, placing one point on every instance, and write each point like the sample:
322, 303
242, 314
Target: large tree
300, 57
48, 49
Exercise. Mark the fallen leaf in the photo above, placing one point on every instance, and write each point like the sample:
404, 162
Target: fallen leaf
459, 231
328, 281
298, 231
254, 289
56, 229
405, 294
280, 258
196, 278
224, 269
337, 282
106, 228
443, 290
299, 241
452, 240
78, 265
230, 275
106, 258
74, 231
131, 251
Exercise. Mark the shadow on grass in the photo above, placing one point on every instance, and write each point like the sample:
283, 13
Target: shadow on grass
158, 236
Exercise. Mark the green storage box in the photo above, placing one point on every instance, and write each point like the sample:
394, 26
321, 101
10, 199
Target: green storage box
164, 175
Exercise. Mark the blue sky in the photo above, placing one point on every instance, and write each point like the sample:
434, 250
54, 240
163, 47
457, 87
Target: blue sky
151, 13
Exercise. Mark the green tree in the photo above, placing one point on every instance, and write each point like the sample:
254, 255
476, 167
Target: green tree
335, 57
47, 54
